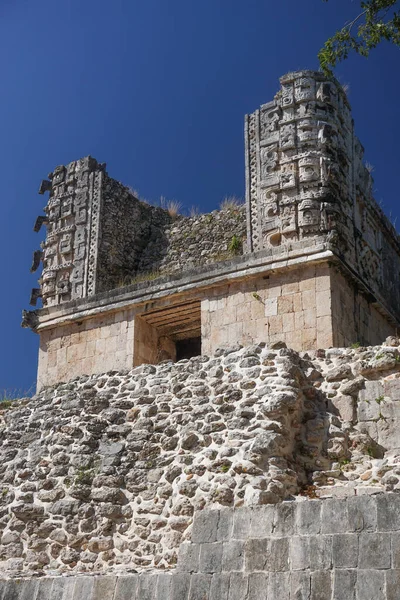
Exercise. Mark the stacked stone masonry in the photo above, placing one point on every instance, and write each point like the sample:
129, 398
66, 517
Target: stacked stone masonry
334, 549
105, 473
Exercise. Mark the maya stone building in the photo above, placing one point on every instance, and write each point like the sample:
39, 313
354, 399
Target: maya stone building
310, 259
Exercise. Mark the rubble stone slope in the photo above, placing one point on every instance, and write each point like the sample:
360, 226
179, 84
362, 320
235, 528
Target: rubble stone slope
106, 472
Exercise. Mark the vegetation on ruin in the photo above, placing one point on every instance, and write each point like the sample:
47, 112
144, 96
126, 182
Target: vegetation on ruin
376, 21
8, 397
235, 245
231, 203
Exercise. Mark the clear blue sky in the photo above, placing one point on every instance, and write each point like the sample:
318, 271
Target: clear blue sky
157, 89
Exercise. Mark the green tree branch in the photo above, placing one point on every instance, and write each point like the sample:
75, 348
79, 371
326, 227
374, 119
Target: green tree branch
377, 21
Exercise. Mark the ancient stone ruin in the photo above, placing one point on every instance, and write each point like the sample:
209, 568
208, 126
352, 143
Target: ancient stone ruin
218, 406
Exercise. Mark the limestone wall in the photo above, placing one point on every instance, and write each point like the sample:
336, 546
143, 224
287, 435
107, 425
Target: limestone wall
105, 473
294, 307
90, 346
309, 550
355, 317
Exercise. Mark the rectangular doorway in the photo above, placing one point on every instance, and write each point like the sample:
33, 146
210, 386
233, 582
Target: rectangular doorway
170, 333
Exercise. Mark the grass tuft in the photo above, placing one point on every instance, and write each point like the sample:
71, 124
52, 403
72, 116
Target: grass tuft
231, 203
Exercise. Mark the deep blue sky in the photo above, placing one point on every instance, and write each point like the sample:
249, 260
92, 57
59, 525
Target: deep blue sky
157, 89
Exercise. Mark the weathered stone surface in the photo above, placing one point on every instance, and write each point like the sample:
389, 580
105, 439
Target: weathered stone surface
126, 588
83, 588
345, 551
370, 585
200, 586
374, 551
344, 584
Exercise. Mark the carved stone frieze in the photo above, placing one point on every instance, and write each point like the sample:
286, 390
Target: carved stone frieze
306, 182
72, 215
300, 147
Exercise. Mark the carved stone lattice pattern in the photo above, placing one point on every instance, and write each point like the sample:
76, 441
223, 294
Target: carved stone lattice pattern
94, 232
304, 153
71, 212
307, 183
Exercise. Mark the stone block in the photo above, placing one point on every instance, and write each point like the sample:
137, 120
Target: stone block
44, 589
367, 407
388, 433
257, 586
205, 526
62, 588
267, 554
334, 516
345, 550
345, 407
147, 586
279, 555
233, 556
284, 518
300, 585
163, 589
392, 584
104, 588
219, 588
395, 550
210, 558
374, 551
180, 586
321, 585
321, 552
278, 586
29, 588
241, 523
300, 553
256, 554
344, 584
199, 586
188, 557
238, 586
392, 389
362, 513
261, 524
308, 517
12, 589
370, 585
83, 588
126, 587
388, 512
225, 524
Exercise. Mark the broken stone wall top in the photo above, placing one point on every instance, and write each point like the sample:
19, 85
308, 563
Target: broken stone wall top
100, 236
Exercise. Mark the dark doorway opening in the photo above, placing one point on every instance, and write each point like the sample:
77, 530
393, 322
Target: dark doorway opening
188, 348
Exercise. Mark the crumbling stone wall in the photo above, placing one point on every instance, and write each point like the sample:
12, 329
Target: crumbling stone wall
138, 241
106, 472
128, 227
197, 241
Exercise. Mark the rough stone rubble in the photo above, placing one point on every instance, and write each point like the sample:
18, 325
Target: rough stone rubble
104, 473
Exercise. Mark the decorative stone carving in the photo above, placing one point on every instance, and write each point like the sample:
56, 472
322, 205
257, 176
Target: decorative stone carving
37, 257
35, 294
30, 319
39, 222
305, 178
45, 186
72, 219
